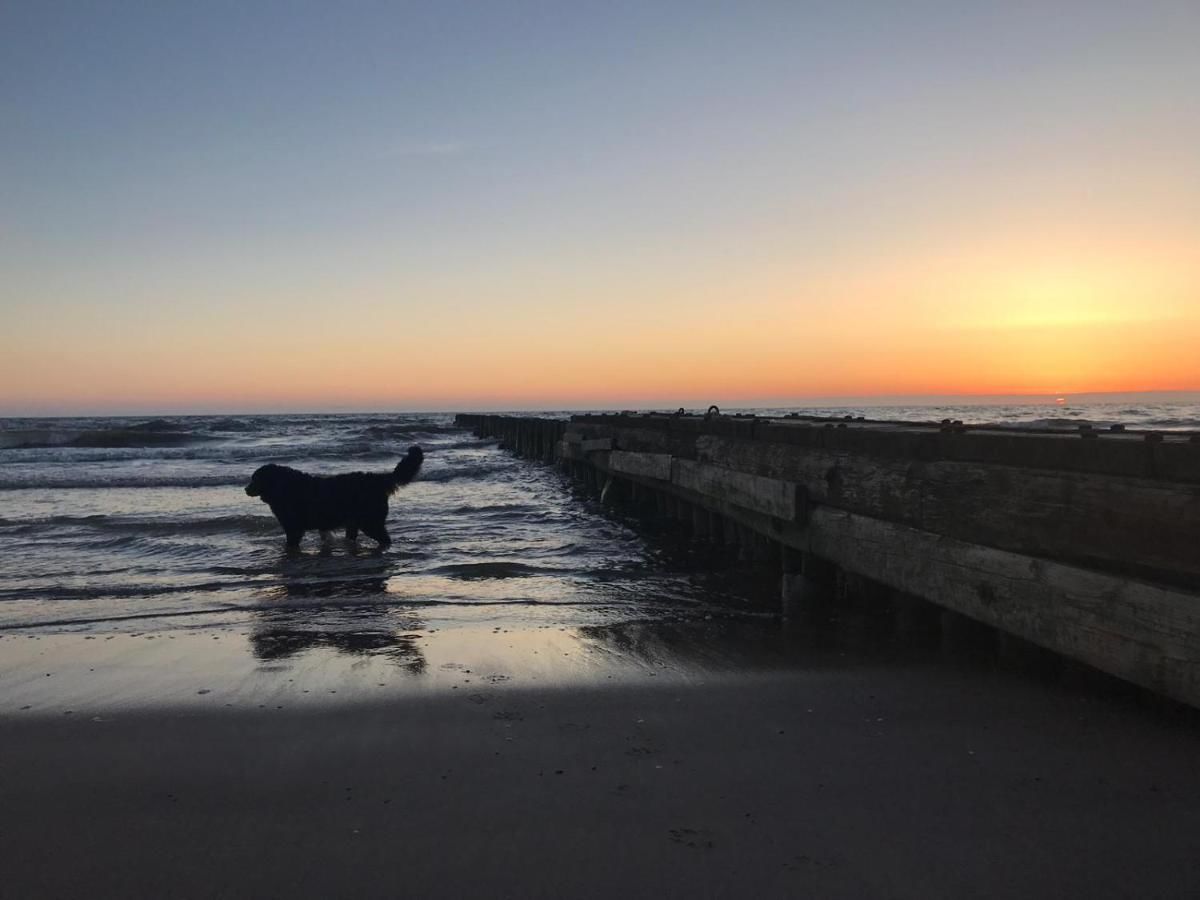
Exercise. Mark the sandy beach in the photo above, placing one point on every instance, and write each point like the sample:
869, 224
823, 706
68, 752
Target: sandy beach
828, 777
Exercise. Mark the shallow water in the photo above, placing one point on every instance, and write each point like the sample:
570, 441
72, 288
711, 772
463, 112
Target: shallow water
133, 537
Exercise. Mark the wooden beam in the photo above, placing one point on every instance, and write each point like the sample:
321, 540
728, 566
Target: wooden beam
765, 495
1145, 633
646, 465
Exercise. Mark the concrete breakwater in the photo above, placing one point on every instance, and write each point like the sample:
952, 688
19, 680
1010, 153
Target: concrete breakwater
1082, 543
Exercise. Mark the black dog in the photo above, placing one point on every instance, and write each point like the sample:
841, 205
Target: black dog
354, 501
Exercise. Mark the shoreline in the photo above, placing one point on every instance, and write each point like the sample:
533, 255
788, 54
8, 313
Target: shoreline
309, 663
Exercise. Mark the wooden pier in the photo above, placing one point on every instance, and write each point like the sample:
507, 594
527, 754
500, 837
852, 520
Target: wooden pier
1082, 543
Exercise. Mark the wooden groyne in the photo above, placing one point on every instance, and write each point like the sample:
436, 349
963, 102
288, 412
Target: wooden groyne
1086, 544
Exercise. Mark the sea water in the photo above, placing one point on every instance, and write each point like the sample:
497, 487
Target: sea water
135, 524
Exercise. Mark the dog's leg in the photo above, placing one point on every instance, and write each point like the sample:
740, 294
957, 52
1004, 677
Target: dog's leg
376, 531
294, 536
352, 533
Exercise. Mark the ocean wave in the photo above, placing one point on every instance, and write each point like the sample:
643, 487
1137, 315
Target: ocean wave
231, 425
1175, 424
472, 444
41, 446
317, 604
409, 432
123, 591
493, 509
1144, 422
124, 525
90, 481
388, 432
153, 434
157, 426
471, 571
471, 472
1052, 424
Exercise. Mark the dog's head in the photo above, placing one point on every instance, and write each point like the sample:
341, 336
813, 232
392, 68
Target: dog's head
266, 481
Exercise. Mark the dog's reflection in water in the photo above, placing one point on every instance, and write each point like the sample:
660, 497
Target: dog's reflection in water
341, 611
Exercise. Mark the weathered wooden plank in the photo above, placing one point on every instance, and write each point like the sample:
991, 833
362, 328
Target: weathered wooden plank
573, 437
766, 495
1138, 631
593, 444
1133, 525
646, 465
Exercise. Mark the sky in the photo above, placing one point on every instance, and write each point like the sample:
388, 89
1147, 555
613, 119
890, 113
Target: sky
277, 206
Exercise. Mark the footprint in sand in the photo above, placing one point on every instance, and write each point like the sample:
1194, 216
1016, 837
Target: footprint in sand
696, 838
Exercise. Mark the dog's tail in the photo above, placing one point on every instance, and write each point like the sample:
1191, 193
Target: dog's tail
406, 470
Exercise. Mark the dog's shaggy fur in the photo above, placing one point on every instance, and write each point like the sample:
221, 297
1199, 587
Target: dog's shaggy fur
355, 501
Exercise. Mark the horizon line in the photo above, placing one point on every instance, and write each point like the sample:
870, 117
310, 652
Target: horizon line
803, 402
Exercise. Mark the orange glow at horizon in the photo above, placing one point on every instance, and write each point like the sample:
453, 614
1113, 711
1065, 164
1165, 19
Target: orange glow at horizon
641, 370
980, 324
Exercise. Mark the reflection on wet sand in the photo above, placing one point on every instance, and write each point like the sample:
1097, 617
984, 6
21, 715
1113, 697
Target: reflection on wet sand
301, 622
280, 641
692, 646
342, 602
747, 642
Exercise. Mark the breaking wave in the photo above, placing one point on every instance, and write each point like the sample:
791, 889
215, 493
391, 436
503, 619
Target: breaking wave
90, 481
125, 525
154, 435
494, 570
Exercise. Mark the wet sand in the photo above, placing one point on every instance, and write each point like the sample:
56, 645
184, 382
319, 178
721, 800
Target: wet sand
828, 781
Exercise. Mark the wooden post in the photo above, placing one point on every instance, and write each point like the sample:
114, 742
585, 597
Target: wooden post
802, 598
